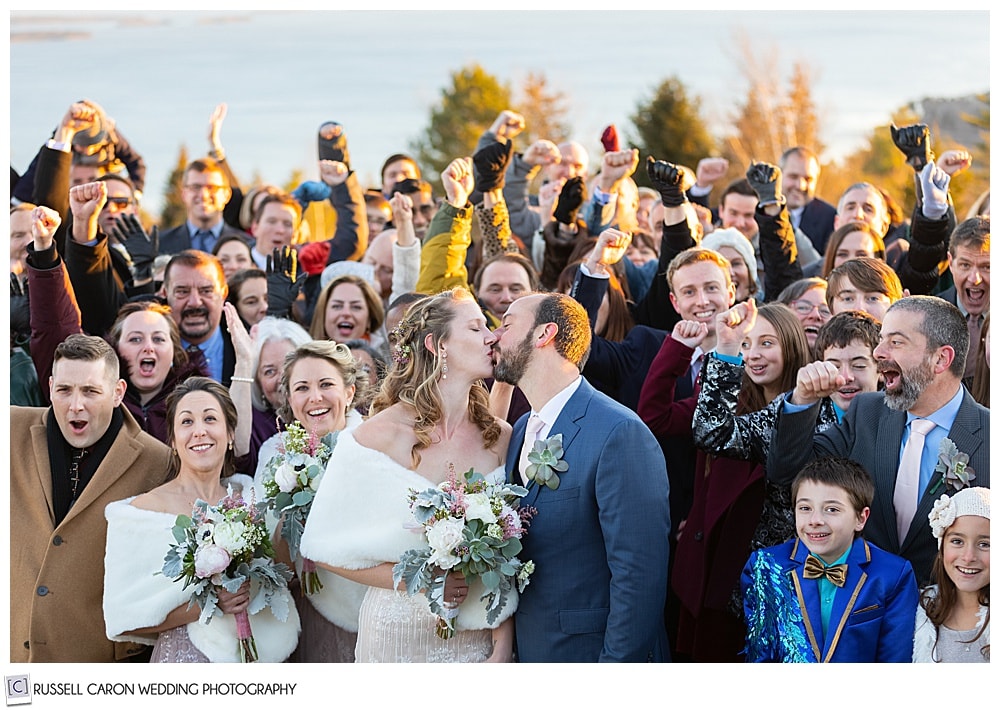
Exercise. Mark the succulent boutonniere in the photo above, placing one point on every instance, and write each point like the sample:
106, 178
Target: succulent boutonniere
953, 465
545, 459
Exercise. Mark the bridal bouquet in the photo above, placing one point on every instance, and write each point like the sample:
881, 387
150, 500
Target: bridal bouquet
291, 479
226, 545
471, 526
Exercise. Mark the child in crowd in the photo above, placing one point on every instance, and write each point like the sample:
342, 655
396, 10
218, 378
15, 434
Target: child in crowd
953, 618
863, 284
829, 596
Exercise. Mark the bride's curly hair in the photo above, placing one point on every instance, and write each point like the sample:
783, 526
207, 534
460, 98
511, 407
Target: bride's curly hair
415, 371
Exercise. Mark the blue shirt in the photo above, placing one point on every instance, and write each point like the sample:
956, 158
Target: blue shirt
943, 418
213, 349
828, 590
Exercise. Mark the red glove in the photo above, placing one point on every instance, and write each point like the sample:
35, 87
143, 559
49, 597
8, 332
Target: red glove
313, 256
609, 139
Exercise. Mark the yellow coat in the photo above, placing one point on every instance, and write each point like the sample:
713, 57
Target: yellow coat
57, 573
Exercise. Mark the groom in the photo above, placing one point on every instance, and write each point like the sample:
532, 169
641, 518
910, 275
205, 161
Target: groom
599, 538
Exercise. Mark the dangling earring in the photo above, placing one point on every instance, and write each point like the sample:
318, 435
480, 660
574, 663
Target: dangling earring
230, 445
444, 363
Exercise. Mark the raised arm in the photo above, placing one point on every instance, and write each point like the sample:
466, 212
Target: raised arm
777, 238
716, 427
350, 238
442, 258
679, 218
54, 313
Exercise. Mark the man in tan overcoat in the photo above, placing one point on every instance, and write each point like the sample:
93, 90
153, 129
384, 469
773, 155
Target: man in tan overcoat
67, 463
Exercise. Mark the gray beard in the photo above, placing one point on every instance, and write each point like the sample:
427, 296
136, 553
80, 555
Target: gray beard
911, 386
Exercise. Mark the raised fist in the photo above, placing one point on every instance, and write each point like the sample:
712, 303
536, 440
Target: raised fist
915, 142
672, 181
458, 182
490, 165
710, 170
570, 200
508, 124
765, 179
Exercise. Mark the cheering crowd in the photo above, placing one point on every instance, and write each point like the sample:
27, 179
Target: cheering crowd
744, 429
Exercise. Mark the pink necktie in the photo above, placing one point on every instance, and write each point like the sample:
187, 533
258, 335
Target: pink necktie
535, 425
907, 493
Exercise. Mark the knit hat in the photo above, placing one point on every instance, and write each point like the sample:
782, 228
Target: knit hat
353, 268
968, 501
733, 238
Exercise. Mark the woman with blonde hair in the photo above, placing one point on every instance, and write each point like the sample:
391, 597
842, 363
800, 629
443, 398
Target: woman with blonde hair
430, 417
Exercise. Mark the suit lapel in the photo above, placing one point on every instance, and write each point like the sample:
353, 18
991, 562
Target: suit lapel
567, 424
43, 467
807, 592
890, 429
845, 598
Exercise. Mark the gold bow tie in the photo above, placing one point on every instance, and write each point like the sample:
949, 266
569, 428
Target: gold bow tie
815, 569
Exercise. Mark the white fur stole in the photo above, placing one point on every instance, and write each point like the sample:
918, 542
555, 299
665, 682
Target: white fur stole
358, 517
138, 595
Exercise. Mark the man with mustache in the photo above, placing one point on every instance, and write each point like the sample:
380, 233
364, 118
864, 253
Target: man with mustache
195, 288
921, 356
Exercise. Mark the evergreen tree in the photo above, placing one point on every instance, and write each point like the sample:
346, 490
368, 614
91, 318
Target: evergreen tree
174, 212
467, 108
669, 126
544, 112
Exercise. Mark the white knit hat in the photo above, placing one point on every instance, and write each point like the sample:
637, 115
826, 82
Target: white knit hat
968, 501
734, 238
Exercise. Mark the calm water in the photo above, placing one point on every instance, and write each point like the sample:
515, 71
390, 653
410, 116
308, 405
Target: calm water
283, 73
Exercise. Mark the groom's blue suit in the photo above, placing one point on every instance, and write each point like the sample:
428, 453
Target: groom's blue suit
599, 541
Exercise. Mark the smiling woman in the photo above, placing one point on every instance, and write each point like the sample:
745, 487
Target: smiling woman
321, 384
348, 308
144, 606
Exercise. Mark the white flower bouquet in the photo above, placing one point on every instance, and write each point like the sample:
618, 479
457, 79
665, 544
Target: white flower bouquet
227, 545
472, 527
290, 480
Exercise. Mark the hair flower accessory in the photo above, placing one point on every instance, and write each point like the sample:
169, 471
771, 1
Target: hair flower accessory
941, 517
953, 465
400, 348
544, 460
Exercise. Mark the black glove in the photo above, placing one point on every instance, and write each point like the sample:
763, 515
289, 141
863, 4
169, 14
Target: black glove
570, 200
141, 247
20, 312
332, 143
668, 179
284, 281
765, 179
489, 165
915, 142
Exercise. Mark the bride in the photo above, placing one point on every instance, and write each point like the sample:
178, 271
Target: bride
431, 414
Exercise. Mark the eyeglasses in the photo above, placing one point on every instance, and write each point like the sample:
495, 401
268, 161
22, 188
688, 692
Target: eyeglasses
804, 308
120, 202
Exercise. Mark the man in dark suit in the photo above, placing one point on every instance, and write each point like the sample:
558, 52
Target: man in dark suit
809, 214
599, 538
205, 192
921, 357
